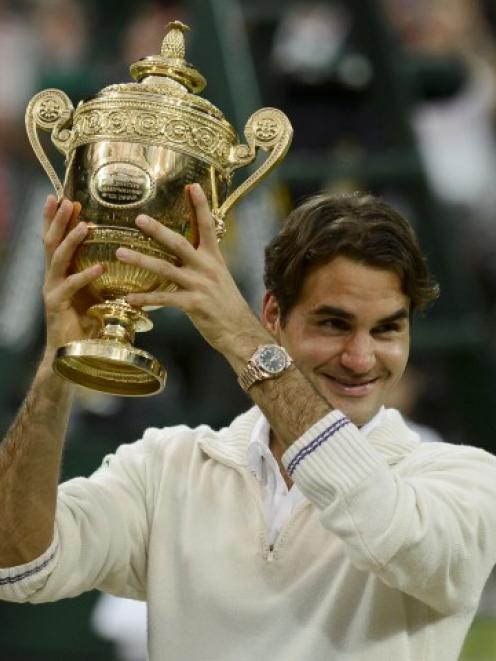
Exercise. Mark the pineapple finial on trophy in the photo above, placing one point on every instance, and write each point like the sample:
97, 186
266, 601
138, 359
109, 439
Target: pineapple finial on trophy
173, 46
171, 64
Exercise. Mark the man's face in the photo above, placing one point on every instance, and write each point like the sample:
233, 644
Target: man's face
348, 333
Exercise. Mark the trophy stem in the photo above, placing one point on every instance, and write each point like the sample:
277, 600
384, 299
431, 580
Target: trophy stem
120, 321
110, 363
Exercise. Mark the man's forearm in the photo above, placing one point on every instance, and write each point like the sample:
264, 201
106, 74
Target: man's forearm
289, 402
30, 457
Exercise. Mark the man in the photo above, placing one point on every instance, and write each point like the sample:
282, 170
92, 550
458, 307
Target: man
381, 547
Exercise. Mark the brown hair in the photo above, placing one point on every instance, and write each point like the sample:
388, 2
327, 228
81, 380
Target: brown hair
361, 227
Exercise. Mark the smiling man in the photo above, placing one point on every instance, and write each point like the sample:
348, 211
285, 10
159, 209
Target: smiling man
316, 526
349, 334
344, 278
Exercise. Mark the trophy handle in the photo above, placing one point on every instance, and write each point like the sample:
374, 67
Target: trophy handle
268, 129
50, 110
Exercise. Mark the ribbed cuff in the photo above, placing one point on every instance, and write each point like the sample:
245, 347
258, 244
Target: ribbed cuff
331, 457
20, 582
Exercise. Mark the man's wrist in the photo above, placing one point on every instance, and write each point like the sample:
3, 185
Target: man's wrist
269, 361
243, 346
237, 344
45, 372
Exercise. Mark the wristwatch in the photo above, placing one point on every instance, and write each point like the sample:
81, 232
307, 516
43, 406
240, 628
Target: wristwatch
268, 362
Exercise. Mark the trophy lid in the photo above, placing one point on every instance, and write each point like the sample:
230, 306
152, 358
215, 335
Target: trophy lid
161, 106
170, 64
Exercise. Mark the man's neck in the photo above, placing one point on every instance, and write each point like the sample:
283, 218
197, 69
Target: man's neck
277, 448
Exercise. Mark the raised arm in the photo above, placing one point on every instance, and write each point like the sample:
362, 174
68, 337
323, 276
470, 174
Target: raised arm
209, 295
30, 453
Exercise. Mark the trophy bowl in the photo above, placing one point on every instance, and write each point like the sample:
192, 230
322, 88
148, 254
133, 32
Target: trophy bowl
133, 149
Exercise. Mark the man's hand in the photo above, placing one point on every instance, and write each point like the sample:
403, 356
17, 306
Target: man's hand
62, 235
209, 296
206, 291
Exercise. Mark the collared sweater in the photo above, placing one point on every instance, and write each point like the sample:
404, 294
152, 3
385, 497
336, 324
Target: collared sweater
385, 561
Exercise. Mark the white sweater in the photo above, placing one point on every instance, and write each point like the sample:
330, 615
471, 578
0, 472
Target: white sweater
385, 562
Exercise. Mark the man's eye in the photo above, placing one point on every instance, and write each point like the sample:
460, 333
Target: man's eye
336, 324
386, 328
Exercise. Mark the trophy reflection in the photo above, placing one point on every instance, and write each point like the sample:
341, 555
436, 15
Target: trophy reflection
132, 149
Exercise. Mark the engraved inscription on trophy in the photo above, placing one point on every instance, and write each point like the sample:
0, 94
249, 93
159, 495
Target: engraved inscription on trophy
121, 185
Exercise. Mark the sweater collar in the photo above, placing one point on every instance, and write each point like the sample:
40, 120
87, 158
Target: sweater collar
259, 443
387, 432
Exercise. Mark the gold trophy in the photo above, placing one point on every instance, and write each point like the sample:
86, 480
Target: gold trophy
132, 149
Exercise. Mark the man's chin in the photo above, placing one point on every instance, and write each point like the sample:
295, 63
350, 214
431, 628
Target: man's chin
359, 412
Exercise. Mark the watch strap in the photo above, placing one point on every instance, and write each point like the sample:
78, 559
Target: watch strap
251, 374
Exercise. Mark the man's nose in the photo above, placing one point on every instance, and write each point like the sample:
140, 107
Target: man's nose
358, 353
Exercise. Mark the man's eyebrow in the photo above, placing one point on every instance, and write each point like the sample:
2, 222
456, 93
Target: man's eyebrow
400, 314
332, 311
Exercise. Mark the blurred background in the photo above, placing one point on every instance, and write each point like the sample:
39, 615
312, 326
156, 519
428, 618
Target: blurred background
395, 97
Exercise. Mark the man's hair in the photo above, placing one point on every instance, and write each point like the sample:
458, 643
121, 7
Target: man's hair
361, 227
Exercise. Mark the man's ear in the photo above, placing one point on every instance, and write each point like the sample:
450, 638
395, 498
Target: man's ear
271, 314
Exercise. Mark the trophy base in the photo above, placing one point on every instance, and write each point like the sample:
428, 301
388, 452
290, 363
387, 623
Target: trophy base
112, 367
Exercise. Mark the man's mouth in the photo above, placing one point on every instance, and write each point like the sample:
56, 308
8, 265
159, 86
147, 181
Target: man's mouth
351, 387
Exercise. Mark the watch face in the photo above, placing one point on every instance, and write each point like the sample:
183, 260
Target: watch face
272, 359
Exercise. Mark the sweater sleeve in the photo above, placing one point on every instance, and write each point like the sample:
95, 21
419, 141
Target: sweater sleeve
425, 525
100, 538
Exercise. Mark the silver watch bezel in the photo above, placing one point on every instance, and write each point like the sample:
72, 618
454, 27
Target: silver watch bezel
260, 360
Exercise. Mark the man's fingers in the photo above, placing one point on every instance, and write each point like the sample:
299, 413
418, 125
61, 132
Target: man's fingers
51, 208
161, 267
73, 283
56, 224
77, 281
195, 235
177, 299
64, 252
49, 211
174, 242
204, 218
